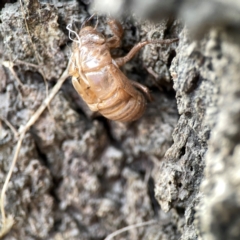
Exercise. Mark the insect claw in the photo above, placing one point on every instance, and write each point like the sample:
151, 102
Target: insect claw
151, 98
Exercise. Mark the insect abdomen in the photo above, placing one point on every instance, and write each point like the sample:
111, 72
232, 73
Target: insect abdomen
125, 110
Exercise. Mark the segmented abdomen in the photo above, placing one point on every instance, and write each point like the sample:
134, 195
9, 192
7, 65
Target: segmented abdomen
122, 108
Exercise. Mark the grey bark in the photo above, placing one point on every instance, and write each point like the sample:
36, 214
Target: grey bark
80, 176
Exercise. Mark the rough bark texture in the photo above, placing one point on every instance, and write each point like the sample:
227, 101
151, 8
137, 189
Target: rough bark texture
80, 176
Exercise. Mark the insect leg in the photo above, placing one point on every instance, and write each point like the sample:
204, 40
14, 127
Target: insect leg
77, 86
86, 95
82, 76
121, 61
117, 30
143, 89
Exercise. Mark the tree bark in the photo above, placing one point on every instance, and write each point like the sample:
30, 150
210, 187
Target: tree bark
81, 176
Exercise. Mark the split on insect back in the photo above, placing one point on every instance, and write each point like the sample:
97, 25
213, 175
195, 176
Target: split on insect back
97, 78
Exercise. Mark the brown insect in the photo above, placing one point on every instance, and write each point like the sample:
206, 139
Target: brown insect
99, 81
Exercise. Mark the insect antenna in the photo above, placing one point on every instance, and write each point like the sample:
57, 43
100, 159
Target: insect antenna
87, 20
96, 24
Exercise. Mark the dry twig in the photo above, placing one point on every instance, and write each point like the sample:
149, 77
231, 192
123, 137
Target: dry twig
30, 37
114, 234
10, 65
8, 222
12, 128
